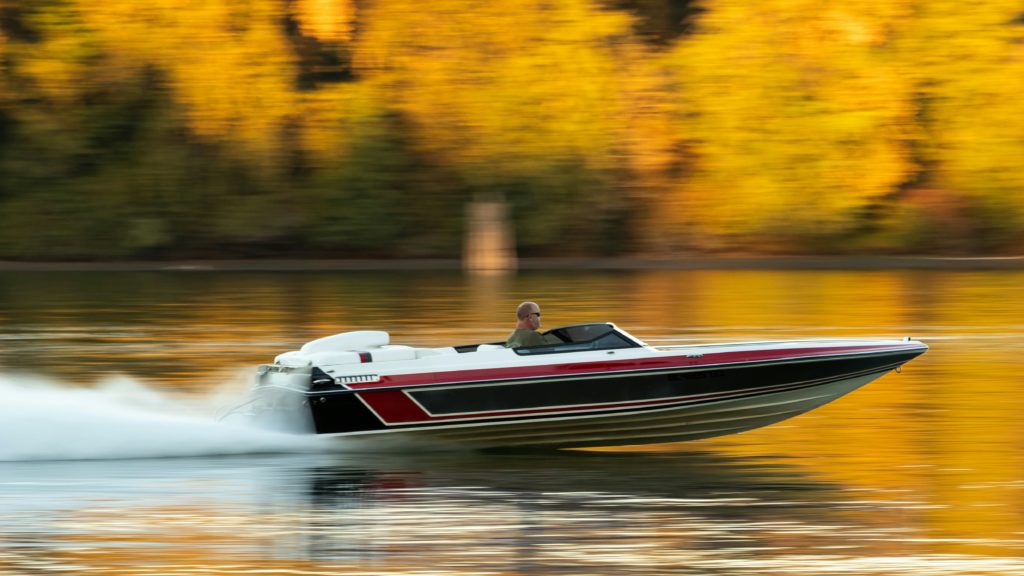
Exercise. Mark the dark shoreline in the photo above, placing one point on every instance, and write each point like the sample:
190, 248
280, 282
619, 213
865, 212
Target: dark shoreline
527, 264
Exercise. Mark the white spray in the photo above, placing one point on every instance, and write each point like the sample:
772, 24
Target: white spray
41, 419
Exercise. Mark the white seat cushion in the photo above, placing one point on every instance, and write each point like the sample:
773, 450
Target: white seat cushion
358, 340
393, 353
489, 347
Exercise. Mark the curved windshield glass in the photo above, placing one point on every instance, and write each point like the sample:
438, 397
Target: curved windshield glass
600, 336
580, 332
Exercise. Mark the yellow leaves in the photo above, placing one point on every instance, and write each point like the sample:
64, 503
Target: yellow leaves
784, 118
52, 70
227, 63
510, 86
970, 66
55, 65
235, 75
326, 20
863, 22
795, 126
237, 84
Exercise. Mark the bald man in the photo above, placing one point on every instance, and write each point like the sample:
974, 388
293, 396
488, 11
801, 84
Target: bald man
527, 323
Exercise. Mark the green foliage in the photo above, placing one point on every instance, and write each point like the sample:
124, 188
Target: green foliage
366, 202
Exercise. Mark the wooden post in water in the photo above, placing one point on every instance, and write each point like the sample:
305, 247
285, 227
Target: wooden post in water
489, 242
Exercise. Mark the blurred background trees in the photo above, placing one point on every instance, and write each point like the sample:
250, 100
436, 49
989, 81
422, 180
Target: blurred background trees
360, 128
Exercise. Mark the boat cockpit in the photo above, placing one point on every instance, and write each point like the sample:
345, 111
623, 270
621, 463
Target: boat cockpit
574, 338
374, 346
580, 338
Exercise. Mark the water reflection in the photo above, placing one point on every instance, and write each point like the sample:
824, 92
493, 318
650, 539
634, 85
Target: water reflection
697, 511
917, 473
472, 513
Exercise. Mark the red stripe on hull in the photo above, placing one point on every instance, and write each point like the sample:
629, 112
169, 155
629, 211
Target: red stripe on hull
394, 406
397, 407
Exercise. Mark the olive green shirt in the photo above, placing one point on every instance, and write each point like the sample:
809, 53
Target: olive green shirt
524, 337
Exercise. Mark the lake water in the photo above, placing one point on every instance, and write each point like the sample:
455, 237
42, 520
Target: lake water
113, 462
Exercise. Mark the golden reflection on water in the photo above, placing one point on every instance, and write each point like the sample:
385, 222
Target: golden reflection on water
690, 512
919, 472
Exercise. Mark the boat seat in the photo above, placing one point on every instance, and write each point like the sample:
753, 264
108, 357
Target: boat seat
358, 340
335, 357
392, 353
489, 347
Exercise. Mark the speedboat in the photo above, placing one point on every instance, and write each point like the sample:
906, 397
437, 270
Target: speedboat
589, 385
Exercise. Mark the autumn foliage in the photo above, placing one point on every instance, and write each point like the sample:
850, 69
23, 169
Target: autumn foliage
221, 128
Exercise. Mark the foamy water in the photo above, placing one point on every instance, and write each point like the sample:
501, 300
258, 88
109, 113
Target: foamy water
43, 419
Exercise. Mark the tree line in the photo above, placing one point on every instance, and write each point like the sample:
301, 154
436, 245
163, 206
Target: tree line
361, 128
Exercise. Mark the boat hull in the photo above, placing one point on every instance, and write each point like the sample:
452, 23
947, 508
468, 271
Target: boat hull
674, 423
646, 396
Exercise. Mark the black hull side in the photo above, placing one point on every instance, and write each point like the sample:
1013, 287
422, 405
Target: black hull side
347, 411
308, 412
650, 386
336, 413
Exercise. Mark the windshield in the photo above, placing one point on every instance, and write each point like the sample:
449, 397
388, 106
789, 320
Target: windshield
599, 336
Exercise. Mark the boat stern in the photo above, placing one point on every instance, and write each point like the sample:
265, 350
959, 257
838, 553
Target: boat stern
277, 400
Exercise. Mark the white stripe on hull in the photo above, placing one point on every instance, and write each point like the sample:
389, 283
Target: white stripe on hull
673, 424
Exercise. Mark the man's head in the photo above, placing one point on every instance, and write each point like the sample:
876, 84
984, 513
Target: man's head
528, 315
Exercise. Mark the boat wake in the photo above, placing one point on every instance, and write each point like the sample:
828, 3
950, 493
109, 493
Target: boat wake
43, 419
